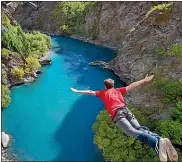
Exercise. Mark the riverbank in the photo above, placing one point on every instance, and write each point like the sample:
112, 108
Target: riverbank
114, 47
12, 82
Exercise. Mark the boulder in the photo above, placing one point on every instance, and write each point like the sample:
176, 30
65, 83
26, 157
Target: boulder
5, 139
45, 61
99, 63
15, 82
29, 79
34, 74
38, 72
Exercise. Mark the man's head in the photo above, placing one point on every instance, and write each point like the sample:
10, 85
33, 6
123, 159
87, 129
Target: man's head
109, 83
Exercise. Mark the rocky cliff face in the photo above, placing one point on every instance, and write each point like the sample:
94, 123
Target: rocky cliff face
111, 21
37, 18
143, 41
140, 39
114, 22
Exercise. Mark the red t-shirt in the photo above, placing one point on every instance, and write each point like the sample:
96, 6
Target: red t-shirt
113, 99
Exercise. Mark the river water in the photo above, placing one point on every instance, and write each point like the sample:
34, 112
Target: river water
50, 122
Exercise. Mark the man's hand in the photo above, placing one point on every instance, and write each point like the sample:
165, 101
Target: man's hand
148, 78
74, 90
140, 82
88, 92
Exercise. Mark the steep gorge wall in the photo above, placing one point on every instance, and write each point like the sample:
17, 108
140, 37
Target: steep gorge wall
139, 39
110, 22
40, 18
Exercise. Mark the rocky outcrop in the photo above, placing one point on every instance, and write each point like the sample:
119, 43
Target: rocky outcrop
15, 60
39, 72
28, 79
99, 63
6, 139
45, 61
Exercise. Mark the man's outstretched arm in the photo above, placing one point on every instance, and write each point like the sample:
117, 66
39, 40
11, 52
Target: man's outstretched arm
88, 92
133, 85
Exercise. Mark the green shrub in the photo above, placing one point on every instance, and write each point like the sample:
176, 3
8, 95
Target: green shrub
171, 129
160, 52
65, 29
11, 39
32, 64
5, 53
177, 112
115, 145
5, 96
170, 91
176, 50
37, 43
159, 7
17, 72
33, 43
71, 16
5, 20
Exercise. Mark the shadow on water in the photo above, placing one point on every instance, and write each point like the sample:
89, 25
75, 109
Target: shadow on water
74, 135
75, 132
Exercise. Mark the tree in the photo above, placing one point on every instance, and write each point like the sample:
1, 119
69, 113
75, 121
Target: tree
11, 40
71, 16
17, 72
5, 53
115, 145
29, 44
5, 96
32, 64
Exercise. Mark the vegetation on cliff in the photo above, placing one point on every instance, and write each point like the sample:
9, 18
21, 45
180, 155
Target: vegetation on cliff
71, 16
5, 95
20, 54
33, 43
175, 50
116, 146
165, 7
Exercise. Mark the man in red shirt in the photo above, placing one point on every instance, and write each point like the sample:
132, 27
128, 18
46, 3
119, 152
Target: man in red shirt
125, 120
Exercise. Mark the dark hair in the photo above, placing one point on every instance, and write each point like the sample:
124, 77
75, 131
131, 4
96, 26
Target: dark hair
109, 83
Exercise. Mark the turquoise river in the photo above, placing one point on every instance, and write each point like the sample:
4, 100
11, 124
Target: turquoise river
46, 119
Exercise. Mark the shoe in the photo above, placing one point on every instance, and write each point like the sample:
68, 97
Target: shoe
162, 150
172, 153
155, 142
